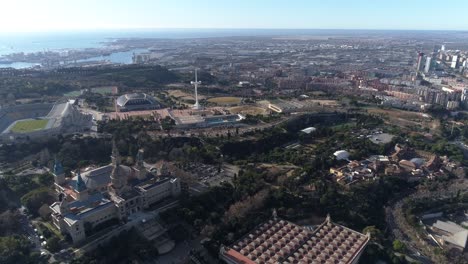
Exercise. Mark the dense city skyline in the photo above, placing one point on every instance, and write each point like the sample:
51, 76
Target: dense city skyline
53, 15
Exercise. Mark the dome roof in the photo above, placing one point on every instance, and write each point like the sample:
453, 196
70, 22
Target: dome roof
135, 98
99, 177
341, 154
120, 175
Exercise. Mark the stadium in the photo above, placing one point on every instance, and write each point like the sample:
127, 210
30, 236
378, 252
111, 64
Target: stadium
41, 120
136, 102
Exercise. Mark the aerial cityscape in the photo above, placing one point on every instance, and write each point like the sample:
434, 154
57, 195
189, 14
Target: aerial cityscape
234, 133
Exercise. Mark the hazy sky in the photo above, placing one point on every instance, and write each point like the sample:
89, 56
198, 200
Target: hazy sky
45, 15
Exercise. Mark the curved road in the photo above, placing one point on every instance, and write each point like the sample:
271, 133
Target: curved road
420, 248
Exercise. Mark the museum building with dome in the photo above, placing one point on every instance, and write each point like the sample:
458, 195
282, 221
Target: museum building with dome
91, 197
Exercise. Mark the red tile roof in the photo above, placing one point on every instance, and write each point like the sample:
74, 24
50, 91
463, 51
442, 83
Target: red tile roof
282, 241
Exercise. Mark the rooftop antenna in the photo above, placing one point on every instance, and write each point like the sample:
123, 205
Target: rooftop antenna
196, 106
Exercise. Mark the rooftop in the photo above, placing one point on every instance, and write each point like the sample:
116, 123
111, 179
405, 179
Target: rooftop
454, 233
193, 119
135, 98
308, 130
152, 182
79, 208
280, 241
94, 201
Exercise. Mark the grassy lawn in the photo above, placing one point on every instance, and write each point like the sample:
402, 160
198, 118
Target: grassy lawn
72, 94
103, 90
407, 119
29, 125
347, 125
225, 100
177, 93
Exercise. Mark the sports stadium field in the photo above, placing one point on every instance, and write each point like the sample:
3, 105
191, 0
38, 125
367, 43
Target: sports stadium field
25, 126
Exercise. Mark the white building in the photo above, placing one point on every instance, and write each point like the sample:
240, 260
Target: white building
450, 234
309, 130
427, 67
454, 63
341, 155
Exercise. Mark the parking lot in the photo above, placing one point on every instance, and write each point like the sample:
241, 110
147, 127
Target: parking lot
212, 175
381, 138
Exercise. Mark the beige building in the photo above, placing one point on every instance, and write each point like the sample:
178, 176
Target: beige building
98, 195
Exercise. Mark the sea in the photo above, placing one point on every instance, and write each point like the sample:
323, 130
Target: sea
61, 41
56, 41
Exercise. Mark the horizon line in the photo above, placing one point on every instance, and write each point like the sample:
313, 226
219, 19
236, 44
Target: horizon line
57, 30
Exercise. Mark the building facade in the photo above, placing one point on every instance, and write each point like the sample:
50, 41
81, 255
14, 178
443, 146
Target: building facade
112, 192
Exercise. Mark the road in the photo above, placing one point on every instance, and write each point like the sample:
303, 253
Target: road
395, 229
33, 237
28, 229
420, 248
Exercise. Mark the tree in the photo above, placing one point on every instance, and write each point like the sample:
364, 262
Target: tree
9, 222
33, 200
167, 123
44, 157
399, 246
126, 248
20, 185
239, 210
16, 249
53, 244
46, 179
375, 234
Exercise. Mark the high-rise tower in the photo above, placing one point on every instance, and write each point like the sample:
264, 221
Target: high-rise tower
420, 62
454, 63
196, 106
427, 68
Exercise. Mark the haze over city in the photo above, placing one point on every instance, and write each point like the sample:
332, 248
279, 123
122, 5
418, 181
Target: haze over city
53, 15
233, 132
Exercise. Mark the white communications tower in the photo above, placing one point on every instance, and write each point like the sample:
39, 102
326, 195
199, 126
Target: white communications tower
196, 106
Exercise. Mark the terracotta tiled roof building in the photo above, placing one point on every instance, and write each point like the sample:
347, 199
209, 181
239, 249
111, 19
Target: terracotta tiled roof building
280, 241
